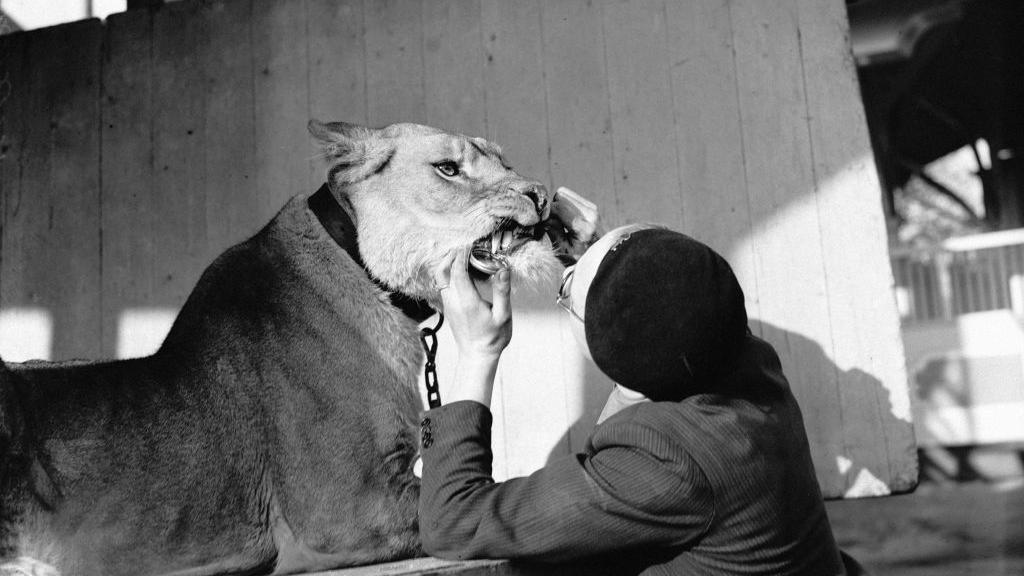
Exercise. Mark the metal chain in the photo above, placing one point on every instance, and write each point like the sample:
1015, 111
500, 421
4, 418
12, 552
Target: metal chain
428, 337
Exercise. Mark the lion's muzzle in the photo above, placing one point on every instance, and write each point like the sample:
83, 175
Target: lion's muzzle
536, 193
518, 227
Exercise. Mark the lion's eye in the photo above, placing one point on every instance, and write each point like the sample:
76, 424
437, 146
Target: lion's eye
448, 168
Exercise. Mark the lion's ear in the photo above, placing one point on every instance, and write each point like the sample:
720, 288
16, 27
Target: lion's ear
336, 137
354, 152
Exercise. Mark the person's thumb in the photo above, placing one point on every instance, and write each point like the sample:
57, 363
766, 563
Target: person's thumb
501, 308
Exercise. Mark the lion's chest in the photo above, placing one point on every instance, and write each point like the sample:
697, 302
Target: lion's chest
347, 447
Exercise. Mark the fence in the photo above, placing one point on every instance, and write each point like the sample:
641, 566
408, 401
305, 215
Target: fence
137, 150
962, 305
969, 274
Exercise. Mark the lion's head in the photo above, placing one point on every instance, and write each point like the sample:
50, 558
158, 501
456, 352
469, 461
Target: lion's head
418, 193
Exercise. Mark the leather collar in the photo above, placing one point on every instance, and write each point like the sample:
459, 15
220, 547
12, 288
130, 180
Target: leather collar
340, 227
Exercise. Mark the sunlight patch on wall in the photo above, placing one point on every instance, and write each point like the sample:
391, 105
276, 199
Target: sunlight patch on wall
140, 331
26, 334
854, 291
867, 485
31, 14
540, 389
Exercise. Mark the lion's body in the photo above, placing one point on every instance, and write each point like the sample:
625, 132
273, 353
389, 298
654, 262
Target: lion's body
275, 430
283, 399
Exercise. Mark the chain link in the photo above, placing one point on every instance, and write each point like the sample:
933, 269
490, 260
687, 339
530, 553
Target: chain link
428, 337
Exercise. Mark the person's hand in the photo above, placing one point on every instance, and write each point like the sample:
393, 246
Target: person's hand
576, 226
481, 329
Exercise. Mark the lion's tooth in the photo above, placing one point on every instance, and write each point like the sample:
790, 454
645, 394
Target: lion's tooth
495, 241
506, 239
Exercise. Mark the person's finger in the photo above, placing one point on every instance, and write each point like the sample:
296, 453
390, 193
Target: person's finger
585, 226
570, 206
501, 289
443, 280
578, 213
563, 206
570, 196
580, 204
443, 272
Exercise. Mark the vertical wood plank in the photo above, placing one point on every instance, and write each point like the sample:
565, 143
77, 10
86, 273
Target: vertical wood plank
337, 67
129, 252
579, 137
735, 121
786, 240
176, 212
917, 299
71, 96
931, 302
51, 220
935, 281
640, 92
454, 100
514, 84
984, 285
974, 286
394, 62
873, 394
1005, 271
579, 114
517, 120
14, 100
13, 115
453, 70
959, 287
709, 135
994, 276
233, 208
281, 144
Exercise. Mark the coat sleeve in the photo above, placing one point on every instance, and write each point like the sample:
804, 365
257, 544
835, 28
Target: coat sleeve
634, 487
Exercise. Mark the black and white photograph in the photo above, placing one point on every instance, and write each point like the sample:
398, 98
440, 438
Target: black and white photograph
511, 287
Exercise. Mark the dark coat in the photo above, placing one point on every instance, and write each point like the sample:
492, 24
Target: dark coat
714, 484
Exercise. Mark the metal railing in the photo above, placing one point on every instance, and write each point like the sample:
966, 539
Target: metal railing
963, 275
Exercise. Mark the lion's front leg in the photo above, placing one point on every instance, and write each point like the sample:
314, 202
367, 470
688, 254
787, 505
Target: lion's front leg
397, 542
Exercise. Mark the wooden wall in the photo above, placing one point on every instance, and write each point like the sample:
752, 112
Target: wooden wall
136, 150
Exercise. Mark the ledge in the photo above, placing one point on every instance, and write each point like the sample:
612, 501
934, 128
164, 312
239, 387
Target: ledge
436, 567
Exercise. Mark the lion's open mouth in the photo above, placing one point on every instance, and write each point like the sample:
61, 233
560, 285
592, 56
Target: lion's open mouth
491, 253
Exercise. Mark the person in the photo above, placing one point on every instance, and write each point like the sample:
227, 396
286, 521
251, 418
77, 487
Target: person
699, 464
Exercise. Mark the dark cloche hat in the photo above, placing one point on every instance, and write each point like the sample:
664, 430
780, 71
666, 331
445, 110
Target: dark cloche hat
664, 313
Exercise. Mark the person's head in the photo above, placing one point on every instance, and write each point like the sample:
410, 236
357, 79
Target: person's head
657, 311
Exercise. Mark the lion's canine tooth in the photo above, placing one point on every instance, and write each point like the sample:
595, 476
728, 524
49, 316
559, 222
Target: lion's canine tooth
506, 239
495, 241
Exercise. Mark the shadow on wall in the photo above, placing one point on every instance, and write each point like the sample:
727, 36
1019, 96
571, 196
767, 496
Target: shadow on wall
942, 383
853, 474
948, 416
969, 381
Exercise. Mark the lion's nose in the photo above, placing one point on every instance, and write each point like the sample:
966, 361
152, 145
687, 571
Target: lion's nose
538, 195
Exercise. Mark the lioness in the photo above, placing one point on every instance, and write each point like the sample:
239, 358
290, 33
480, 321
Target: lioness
275, 430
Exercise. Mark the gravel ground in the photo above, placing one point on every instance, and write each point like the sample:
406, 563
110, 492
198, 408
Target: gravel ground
942, 529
